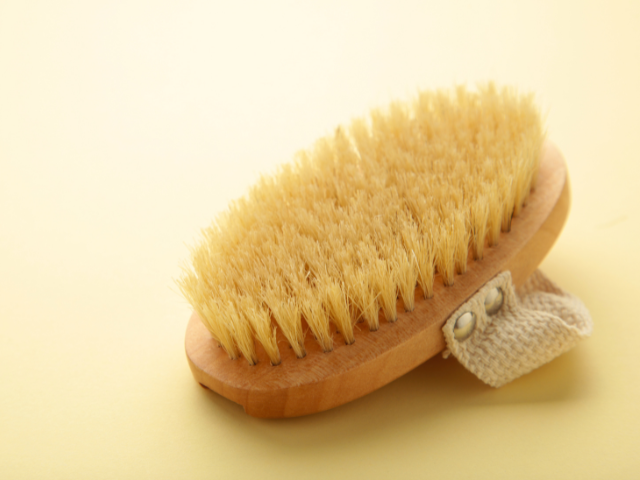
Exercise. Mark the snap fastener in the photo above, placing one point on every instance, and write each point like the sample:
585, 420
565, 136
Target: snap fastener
493, 301
464, 327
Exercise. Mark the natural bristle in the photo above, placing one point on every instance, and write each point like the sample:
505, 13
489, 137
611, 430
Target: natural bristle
386, 205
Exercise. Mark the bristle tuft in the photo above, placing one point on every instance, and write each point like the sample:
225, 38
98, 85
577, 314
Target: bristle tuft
364, 217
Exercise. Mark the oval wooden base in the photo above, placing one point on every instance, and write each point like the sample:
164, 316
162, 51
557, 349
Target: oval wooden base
324, 380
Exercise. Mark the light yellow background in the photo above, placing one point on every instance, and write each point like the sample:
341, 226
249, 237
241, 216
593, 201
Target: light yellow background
126, 127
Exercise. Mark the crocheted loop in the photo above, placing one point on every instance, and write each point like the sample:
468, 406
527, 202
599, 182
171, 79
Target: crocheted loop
535, 324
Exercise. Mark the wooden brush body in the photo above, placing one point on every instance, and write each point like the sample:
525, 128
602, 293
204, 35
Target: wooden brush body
320, 381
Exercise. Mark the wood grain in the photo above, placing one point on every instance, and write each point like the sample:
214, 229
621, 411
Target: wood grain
321, 381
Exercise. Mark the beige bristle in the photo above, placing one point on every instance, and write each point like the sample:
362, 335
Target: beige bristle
421, 248
286, 312
445, 253
210, 313
406, 277
241, 331
219, 328
363, 297
335, 299
386, 290
317, 319
494, 216
461, 241
479, 216
390, 201
259, 320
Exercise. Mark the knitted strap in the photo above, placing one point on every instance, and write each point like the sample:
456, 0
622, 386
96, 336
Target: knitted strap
534, 325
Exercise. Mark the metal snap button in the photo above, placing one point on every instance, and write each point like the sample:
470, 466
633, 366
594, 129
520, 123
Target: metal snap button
493, 301
464, 326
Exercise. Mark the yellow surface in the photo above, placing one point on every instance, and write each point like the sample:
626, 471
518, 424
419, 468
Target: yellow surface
124, 128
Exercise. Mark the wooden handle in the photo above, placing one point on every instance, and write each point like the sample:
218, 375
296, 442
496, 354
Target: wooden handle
321, 381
